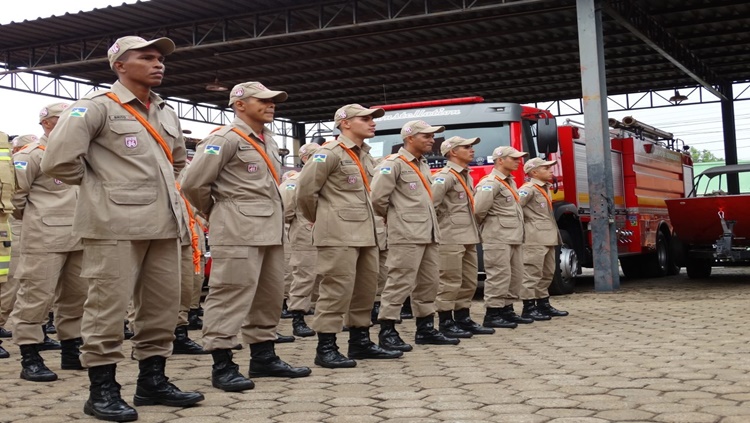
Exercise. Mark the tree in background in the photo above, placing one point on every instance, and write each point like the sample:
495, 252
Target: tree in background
704, 156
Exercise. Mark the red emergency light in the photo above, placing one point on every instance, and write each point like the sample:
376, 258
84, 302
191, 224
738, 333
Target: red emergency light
431, 103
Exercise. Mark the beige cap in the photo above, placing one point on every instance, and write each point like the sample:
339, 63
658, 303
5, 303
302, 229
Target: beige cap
414, 127
454, 142
353, 110
507, 151
257, 90
288, 174
23, 140
52, 110
535, 163
123, 44
308, 149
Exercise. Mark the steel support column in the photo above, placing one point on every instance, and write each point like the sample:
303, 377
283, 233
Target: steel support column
598, 147
730, 134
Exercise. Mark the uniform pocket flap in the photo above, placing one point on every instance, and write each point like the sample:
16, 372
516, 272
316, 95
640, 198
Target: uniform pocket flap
133, 196
350, 169
409, 177
509, 223
255, 209
544, 225
414, 217
57, 220
353, 215
125, 126
229, 251
171, 130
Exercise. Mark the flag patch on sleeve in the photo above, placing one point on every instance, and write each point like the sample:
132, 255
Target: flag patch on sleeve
21, 165
523, 193
486, 187
78, 111
212, 149
440, 181
385, 170
319, 157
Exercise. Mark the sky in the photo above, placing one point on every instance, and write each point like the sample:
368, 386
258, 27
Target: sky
696, 125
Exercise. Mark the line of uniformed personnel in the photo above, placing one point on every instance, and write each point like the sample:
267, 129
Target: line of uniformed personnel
130, 225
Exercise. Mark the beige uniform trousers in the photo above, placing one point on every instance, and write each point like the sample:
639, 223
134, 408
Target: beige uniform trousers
288, 271
538, 271
503, 265
412, 270
304, 280
42, 278
198, 285
458, 276
349, 279
245, 295
9, 289
187, 271
382, 273
146, 271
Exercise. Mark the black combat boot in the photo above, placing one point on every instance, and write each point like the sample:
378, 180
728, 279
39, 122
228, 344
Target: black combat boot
546, 308
265, 363
374, 313
427, 334
327, 353
32, 365
225, 374
194, 320
4, 333
389, 338
48, 343
49, 327
361, 347
463, 320
182, 343
153, 386
530, 311
285, 313
283, 339
493, 318
105, 402
507, 313
126, 332
449, 328
406, 312
299, 327
3, 352
69, 354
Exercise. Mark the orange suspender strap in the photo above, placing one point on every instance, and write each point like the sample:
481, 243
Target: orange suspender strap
193, 233
549, 201
466, 188
359, 165
155, 135
507, 185
262, 152
421, 176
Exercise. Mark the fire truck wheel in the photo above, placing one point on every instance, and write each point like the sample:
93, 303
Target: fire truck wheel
633, 267
698, 268
566, 269
662, 263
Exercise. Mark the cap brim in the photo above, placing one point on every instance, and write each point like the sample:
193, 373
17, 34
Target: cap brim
432, 130
518, 155
164, 45
376, 113
277, 96
473, 141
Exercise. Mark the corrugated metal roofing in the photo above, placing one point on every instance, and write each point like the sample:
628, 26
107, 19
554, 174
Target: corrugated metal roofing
398, 50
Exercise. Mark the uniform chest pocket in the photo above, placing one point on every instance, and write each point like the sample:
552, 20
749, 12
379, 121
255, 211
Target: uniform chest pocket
459, 194
251, 163
410, 183
129, 137
351, 177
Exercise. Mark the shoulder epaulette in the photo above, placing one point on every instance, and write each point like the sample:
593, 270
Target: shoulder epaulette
95, 94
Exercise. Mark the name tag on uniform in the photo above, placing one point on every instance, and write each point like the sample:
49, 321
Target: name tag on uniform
440, 181
212, 149
319, 157
121, 117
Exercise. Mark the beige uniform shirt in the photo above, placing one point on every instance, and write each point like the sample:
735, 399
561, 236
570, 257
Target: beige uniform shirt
331, 194
230, 182
300, 229
45, 206
399, 196
453, 206
539, 220
498, 210
127, 183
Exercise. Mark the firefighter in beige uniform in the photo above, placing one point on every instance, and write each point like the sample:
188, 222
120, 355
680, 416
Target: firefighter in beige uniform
333, 193
401, 195
500, 217
7, 187
304, 253
128, 216
8, 289
542, 236
50, 264
453, 197
233, 180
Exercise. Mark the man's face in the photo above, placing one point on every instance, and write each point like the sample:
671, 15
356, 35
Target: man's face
360, 126
510, 164
543, 173
256, 109
421, 143
464, 153
144, 66
49, 124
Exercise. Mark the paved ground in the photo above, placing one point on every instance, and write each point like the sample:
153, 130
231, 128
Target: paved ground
670, 350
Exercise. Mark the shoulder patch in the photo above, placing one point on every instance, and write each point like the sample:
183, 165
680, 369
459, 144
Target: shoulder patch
78, 111
21, 165
440, 181
486, 187
385, 170
523, 193
320, 158
291, 187
212, 149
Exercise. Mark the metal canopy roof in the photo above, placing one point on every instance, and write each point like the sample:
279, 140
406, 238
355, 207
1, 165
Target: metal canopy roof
329, 53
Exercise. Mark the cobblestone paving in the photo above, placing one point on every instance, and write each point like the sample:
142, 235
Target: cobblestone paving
669, 350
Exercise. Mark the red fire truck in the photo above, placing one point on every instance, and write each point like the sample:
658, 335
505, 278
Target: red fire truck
646, 166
